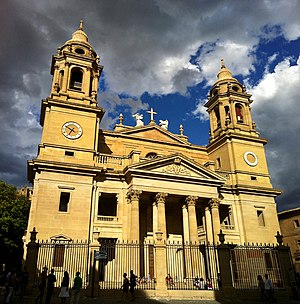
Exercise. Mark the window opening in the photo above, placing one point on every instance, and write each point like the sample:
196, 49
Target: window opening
217, 113
218, 163
239, 113
79, 51
69, 153
296, 223
64, 201
107, 204
253, 178
76, 79
152, 155
260, 216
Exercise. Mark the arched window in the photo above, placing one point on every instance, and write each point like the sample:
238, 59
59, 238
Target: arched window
239, 113
217, 113
152, 155
76, 79
227, 114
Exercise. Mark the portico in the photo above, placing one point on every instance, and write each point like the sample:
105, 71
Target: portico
184, 198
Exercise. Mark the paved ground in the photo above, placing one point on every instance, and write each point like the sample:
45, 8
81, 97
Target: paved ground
117, 299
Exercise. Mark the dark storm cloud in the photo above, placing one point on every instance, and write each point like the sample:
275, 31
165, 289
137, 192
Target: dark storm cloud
144, 46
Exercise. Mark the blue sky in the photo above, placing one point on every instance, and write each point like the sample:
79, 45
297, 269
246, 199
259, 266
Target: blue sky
163, 54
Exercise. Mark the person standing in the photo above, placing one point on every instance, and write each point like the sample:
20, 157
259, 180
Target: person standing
42, 286
11, 281
269, 290
50, 286
132, 280
261, 287
76, 288
125, 286
64, 290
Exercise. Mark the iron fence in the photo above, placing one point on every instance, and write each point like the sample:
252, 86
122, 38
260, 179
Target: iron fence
71, 256
192, 266
123, 257
247, 262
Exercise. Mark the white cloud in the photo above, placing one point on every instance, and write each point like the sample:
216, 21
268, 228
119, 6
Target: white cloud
277, 109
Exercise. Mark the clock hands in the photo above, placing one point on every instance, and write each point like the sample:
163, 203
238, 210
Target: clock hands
71, 130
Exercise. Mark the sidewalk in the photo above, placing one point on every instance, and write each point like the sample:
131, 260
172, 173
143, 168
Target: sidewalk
86, 300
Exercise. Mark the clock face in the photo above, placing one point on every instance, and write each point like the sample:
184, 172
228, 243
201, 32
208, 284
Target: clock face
251, 159
72, 130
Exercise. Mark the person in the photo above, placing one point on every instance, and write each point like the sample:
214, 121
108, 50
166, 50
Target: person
11, 282
42, 286
261, 287
76, 288
269, 290
50, 286
169, 279
208, 284
219, 281
64, 290
24, 280
132, 280
196, 282
202, 284
125, 286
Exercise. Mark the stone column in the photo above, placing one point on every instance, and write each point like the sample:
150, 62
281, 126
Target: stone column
154, 219
66, 77
134, 196
214, 206
208, 226
160, 199
185, 221
193, 230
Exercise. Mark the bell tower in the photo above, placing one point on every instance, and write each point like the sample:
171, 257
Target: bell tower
229, 107
234, 145
70, 116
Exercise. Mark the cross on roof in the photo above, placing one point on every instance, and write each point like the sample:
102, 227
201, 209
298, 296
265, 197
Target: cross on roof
152, 113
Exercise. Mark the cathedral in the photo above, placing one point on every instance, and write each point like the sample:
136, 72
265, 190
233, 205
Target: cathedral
142, 182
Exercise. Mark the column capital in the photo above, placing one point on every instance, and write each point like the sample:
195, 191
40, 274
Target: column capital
191, 200
133, 195
160, 198
214, 203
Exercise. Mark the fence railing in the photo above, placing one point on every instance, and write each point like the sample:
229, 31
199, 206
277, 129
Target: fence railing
70, 256
248, 262
189, 266
192, 266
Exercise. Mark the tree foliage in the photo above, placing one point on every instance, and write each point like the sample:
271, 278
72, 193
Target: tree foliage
14, 211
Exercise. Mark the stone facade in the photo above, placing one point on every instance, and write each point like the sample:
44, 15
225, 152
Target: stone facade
133, 182
289, 221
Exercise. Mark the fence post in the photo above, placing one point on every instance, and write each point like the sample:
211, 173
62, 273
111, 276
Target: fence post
93, 288
285, 263
31, 257
225, 269
160, 265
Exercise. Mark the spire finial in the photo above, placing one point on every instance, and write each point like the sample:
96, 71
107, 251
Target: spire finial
223, 64
81, 25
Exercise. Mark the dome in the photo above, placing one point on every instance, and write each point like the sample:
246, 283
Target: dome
224, 73
80, 35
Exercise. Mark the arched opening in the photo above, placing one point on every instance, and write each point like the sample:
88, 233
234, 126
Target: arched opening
235, 88
76, 79
239, 113
152, 155
217, 113
227, 114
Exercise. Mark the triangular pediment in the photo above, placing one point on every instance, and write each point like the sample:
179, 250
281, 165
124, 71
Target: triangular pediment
156, 133
175, 166
60, 238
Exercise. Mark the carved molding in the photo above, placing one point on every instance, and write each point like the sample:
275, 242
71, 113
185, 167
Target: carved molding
214, 203
176, 169
160, 198
191, 200
133, 195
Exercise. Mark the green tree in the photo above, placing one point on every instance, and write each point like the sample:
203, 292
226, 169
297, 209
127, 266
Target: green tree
14, 211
